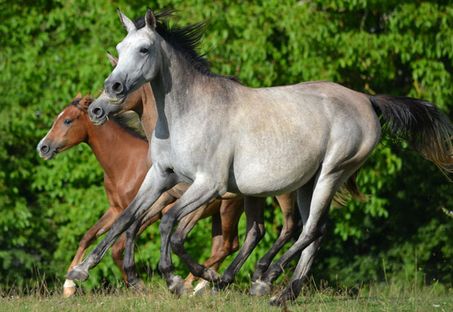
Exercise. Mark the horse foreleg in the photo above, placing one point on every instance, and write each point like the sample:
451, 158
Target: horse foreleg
101, 226
197, 195
216, 247
164, 202
156, 181
117, 255
225, 236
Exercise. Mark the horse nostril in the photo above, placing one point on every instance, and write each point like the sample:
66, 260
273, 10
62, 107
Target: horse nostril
44, 149
117, 87
98, 112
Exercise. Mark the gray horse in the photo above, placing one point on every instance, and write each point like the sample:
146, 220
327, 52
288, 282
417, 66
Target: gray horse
222, 136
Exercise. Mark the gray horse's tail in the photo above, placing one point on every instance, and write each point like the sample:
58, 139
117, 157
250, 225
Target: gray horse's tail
426, 129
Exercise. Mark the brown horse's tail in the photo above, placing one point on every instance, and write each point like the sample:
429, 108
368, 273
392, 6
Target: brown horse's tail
426, 129
347, 191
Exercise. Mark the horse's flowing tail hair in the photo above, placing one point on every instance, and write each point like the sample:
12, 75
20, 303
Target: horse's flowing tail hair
349, 190
426, 129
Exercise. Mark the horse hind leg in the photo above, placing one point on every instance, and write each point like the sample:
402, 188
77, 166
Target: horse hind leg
308, 254
254, 211
263, 285
300, 274
325, 187
286, 202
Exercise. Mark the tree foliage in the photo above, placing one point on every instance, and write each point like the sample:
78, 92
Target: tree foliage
49, 50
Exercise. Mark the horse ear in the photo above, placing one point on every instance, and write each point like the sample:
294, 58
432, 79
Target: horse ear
85, 102
78, 96
113, 60
150, 19
127, 23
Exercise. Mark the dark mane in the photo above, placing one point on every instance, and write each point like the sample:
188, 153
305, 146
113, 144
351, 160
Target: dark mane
128, 121
76, 102
184, 39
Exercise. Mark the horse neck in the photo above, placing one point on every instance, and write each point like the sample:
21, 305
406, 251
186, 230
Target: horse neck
108, 144
172, 88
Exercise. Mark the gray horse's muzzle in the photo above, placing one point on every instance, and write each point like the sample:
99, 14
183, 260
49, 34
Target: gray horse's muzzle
99, 111
97, 114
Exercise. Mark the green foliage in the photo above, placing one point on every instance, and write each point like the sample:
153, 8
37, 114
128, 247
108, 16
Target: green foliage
49, 50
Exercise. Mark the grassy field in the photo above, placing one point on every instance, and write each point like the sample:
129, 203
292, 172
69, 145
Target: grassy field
370, 298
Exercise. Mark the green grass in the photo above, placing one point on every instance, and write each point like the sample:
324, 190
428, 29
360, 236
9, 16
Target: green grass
369, 298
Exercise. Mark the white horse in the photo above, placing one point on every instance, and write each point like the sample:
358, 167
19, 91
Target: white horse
222, 136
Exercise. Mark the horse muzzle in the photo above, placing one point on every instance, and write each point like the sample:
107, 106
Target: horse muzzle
97, 114
46, 151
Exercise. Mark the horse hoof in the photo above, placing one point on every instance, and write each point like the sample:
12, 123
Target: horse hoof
69, 291
188, 288
77, 274
176, 285
260, 288
138, 286
213, 275
277, 301
69, 288
201, 288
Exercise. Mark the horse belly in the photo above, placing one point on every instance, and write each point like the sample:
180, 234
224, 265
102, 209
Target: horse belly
274, 170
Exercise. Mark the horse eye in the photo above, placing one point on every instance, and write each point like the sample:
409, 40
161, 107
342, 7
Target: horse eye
144, 50
67, 122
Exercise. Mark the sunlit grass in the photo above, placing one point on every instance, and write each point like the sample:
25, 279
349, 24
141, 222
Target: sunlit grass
378, 297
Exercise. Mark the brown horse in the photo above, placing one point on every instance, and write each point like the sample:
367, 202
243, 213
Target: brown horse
124, 170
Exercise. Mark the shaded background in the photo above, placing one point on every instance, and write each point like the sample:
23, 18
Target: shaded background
50, 50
